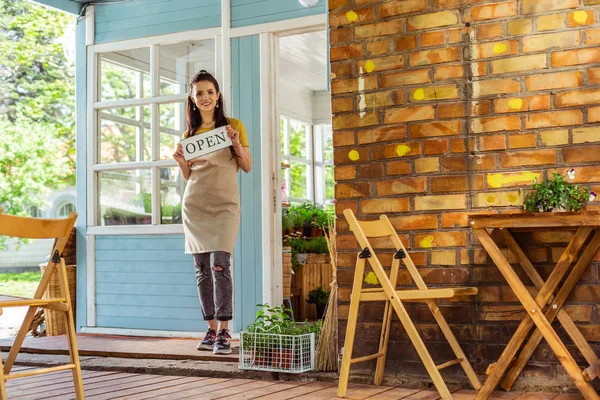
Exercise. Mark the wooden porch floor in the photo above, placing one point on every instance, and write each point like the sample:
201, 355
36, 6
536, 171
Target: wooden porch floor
123, 347
116, 385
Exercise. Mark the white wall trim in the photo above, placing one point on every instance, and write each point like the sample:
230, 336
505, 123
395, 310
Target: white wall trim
90, 26
175, 229
90, 262
148, 333
186, 36
226, 53
290, 26
91, 139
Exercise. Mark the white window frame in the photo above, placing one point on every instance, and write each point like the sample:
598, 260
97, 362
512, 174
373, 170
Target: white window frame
96, 112
319, 166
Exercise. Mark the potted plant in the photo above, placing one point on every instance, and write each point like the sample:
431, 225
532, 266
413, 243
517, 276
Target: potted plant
319, 297
557, 195
273, 342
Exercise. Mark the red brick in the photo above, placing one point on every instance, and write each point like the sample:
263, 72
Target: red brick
434, 56
433, 20
492, 11
351, 85
592, 36
454, 35
343, 190
494, 142
449, 72
434, 93
341, 104
435, 146
345, 52
558, 80
458, 145
333, 4
495, 124
519, 64
577, 98
441, 239
586, 153
401, 186
401, 7
409, 114
405, 78
346, 121
392, 27
553, 119
537, 6
342, 156
385, 206
406, 43
452, 110
450, 183
433, 38
522, 140
490, 31
496, 49
495, 86
341, 70
581, 18
443, 202
575, 57
384, 63
432, 129
343, 138
481, 108
366, 14
398, 168
594, 76
415, 222
551, 40
523, 158
368, 171
344, 173
340, 35
404, 149
341, 205
594, 114
383, 134
380, 99
529, 103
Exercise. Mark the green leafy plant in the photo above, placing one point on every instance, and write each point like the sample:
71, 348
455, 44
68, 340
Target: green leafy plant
555, 194
318, 296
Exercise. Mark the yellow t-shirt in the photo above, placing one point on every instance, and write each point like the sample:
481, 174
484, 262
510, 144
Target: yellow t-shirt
235, 124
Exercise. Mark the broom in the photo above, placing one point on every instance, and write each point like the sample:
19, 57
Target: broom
327, 350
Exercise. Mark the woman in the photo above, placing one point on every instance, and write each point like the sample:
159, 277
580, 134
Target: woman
211, 207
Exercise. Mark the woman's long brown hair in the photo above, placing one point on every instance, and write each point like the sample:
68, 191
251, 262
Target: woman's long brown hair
192, 113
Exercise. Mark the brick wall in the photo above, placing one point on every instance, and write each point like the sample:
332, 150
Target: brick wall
448, 107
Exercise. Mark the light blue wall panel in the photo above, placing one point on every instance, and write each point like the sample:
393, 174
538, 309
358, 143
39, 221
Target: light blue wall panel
141, 18
245, 82
65, 5
81, 173
146, 282
252, 12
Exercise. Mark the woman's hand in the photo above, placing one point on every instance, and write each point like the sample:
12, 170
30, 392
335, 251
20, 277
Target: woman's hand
234, 136
178, 155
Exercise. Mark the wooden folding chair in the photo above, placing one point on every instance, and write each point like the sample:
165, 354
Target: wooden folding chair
33, 228
363, 230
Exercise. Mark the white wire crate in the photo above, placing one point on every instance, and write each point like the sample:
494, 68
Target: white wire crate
277, 353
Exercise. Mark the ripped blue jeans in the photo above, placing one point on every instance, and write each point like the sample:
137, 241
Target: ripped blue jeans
215, 289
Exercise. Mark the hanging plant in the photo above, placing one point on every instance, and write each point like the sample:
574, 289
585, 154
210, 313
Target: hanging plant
556, 194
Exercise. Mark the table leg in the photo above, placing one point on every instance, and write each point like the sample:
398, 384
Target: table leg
535, 313
552, 312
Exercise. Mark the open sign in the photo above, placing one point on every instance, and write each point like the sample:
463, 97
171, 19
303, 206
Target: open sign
206, 143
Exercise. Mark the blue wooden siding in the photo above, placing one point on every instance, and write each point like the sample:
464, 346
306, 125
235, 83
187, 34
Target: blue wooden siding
142, 18
252, 12
65, 5
245, 82
146, 282
81, 173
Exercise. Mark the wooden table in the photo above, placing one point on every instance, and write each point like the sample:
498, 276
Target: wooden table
550, 296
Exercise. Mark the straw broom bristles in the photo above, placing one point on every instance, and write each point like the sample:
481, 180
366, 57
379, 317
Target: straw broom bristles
327, 350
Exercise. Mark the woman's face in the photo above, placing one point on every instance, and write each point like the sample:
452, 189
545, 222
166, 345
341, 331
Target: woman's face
205, 95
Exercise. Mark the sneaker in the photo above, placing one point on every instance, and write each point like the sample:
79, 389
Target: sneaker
209, 340
223, 343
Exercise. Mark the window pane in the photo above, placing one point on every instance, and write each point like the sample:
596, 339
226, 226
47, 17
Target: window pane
125, 197
34, 212
327, 143
125, 135
172, 186
172, 123
297, 139
299, 182
282, 135
329, 183
121, 74
179, 62
65, 209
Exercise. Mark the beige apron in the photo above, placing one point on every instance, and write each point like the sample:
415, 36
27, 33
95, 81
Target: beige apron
211, 204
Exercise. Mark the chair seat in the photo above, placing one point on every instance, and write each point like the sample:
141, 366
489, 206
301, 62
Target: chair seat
378, 294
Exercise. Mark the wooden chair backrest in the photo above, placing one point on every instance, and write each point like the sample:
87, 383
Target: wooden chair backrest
363, 230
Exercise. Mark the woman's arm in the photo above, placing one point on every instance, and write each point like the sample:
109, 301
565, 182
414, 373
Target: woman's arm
183, 165
244, 159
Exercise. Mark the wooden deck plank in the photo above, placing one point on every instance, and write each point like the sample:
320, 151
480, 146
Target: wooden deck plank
224, 392
298, 391
428, 394
113, 391
365, 391
67, 376
262, 392
147, 387
394, 394
168, 390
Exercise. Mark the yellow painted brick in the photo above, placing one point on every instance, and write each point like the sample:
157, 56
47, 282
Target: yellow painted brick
550, 22
497, 199
511, 179
544, 42
382, 206
517, 64
555, 138
426, 165
586, 135
520, 27
443, 257
444, 202
433, 20
434, 93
